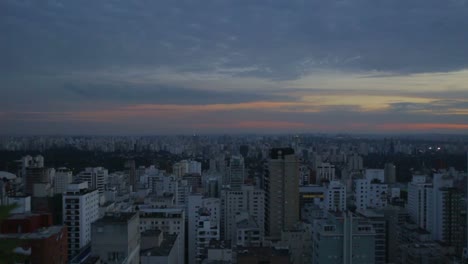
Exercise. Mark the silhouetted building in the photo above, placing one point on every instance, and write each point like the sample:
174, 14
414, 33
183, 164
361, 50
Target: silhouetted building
281, 184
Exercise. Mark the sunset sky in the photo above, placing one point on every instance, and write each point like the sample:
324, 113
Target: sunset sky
240, 66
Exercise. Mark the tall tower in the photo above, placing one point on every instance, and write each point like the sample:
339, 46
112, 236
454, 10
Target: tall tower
80, 210
390, 173
282, 192
466, 244
237, 171
131, 171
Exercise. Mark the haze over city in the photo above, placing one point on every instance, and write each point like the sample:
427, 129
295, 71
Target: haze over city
142, 67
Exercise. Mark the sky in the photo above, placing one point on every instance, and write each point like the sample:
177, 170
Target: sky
240, 66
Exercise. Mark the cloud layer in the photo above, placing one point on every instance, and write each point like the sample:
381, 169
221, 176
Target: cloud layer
339, 65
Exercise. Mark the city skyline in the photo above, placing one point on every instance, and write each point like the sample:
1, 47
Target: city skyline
167, 67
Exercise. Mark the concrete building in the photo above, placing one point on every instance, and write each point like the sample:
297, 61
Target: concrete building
311, 194
34, 175
203, 225
183, 190
335, 197
281, 192
219, 252
390, 173
299, 243
23, 204
343, 238
25, 223
355, 162
207, 231
63, 177
44, 245
325, 172
395, 217
183, 167
170, 221
131, 173
370, 192
116, 238
236, 172
96, 178
80, 210
419, 196
255, 255
378, 221
247, 233
159, 248
249, 200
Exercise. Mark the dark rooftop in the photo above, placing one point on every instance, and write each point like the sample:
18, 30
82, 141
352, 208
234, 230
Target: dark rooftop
261, 251
116, 217
151, 232
164, 249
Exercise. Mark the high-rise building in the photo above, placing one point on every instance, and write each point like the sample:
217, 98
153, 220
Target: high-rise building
355, 162
325, 172
96, 178
335, 197
248, 200
167, 220
183, 167
80, 209
33, 176
236, 172
448, 220
116, 238
281, 184
131, 172
203, 226
343, 238
390, 173
378, 221
63, 177
419, 196
371, 192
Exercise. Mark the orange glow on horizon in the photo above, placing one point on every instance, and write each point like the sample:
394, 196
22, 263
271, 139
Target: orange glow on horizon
422, 126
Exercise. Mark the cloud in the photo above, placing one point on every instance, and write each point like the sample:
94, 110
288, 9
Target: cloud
354, 65
283, 39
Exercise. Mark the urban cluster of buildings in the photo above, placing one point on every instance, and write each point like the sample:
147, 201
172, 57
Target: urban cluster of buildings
306, 206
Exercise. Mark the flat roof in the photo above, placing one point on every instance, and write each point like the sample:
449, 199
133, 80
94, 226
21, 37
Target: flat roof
39, 234
121, 217
163, 250
151, 232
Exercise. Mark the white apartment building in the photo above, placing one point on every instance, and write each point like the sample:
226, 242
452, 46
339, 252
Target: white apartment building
63, 177
168, 220
325, 172
203, 216
183, 167
335, 197
80, 210
96, 178
371, 192
248, 200
236, 172
419, 197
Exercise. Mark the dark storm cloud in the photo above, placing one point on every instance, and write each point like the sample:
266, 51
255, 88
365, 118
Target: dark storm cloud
282, 38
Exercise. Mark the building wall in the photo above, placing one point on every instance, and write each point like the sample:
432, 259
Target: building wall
53, 250
80, 209
116, 239
26, 224
167, 220
282, 189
